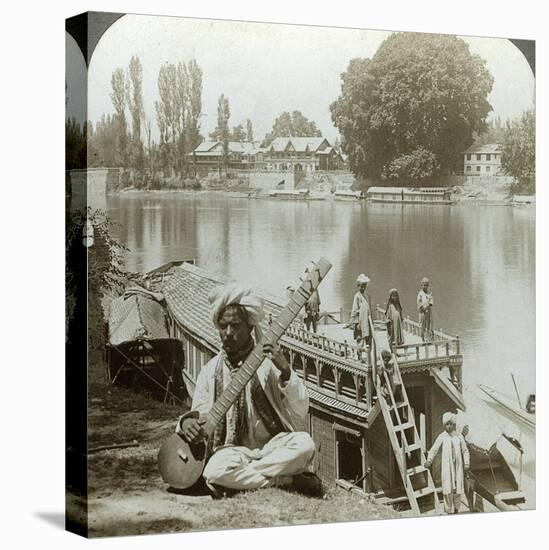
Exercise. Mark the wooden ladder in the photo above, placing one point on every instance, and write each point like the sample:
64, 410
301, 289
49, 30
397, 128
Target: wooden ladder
408, 447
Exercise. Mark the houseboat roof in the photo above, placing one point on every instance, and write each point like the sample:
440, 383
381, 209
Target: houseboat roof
186, 293
389, 190
136, 315
487, 148
409, 190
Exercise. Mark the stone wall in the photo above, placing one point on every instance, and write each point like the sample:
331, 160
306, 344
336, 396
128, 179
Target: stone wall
89, 187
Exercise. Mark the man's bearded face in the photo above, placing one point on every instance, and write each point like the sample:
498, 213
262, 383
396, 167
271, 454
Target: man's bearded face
234, 329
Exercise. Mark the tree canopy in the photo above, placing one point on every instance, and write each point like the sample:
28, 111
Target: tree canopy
418, 92
518, 157
292, 124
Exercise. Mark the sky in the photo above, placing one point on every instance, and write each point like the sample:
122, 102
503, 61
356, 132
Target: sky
264, 68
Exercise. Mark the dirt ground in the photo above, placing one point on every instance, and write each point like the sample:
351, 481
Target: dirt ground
127, 495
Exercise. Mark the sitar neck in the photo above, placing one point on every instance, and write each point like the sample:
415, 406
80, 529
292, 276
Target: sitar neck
276, 329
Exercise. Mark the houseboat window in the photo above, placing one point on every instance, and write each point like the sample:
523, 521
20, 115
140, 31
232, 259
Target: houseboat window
327, 379
478, 168
310, 371
347, 385
349, 458
468, 168
488, 157
469, 156
479, 157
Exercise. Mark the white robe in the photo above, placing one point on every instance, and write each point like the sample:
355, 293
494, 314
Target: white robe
290, 400
455, 456
360, 313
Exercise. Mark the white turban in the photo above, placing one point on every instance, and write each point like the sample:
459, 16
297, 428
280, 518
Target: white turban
362, 279
236, 294
447, 417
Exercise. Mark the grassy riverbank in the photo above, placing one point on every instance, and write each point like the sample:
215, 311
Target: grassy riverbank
127, 495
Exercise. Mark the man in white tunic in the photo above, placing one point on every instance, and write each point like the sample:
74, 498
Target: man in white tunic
454, 462
256, 444
360, 312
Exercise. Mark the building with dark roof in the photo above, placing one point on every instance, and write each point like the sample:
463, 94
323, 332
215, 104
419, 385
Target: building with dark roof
209, 155
482, 160
308, 154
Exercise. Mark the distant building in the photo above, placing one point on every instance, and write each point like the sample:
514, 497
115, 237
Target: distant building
483, 160
209, 155
301, 153
283, 154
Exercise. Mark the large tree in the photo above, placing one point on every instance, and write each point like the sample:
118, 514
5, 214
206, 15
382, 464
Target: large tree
238, 133
102, 143
167, 116
119, 95
494, 133
418, 92
292, 124
221, 131
249, 130
194, 104
518, 158
135, 103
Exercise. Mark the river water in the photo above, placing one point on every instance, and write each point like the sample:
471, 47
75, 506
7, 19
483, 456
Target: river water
480, 260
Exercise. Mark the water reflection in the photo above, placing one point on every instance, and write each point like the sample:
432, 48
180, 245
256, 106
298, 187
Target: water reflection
480, 259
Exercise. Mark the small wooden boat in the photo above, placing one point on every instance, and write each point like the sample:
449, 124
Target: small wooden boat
511, 406
491, 477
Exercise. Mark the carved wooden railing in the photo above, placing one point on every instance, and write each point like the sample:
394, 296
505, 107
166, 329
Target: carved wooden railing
443, 346
353, 387
324, 343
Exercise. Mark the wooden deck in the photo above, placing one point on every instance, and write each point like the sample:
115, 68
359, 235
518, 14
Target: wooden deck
341, 334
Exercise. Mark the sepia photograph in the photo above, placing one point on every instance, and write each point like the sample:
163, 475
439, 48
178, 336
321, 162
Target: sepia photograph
301, 271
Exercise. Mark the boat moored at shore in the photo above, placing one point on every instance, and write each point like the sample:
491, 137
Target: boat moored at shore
409, 195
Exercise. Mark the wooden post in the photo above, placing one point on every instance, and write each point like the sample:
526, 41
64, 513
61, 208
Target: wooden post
363, 452
355, 378
337, 379
422, 432
457, 344
346, 350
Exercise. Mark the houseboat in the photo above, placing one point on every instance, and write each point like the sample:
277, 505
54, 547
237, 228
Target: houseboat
301, 194
409, 195
366, 443
345, 195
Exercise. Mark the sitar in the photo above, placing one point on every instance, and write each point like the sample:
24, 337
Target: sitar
180, 463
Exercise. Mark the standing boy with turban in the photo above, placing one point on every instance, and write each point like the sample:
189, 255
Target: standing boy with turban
360, 312
256, 444
425, 306
454, 463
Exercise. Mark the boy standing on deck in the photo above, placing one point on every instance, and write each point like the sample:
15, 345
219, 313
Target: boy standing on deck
425, 306
360, 312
